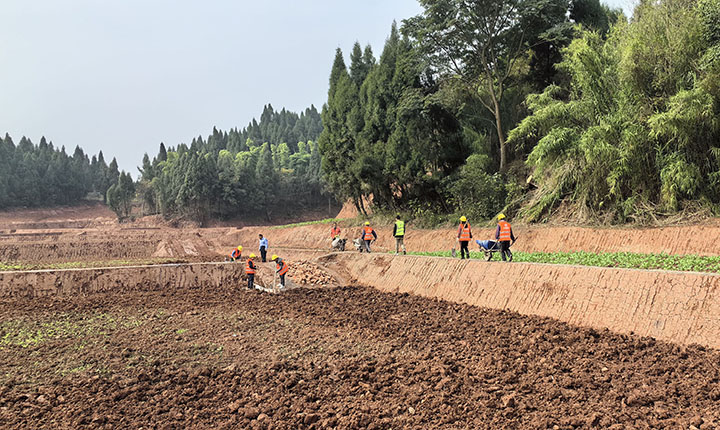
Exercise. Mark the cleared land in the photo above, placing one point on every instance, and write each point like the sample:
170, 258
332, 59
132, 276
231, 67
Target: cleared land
342, 357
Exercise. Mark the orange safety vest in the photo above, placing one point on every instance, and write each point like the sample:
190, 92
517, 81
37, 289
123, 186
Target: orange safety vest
505, 231
282, 267
250, 269
368, 233
464, 231
235, 254
335, 232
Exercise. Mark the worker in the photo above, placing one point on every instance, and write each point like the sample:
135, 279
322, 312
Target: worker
334, 236
399, 233
250, 271
368, 236
236, 253
281, 268
464, 236
505, 236
263, 247
335, 232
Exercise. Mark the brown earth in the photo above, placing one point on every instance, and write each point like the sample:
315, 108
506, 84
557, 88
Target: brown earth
333, 358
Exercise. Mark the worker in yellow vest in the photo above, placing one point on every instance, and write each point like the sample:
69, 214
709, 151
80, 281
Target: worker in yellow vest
505, 237
464, 235
399, 233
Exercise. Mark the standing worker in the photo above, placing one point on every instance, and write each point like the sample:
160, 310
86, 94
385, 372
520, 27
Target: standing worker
399, 233
464, 236
504, 235
250, 271
263, 247
368, 235
281, 268
236, 253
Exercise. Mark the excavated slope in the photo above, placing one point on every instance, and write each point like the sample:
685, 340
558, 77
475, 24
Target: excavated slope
681, 240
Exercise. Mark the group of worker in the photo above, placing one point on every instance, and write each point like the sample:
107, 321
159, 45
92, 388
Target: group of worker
281, 266
503, 234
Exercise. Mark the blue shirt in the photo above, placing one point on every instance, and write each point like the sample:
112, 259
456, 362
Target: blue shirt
264, 242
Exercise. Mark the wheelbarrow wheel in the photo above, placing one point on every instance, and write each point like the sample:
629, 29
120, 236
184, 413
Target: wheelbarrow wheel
488, 255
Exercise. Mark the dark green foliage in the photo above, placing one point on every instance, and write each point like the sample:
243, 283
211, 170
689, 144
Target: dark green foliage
636, 132
120, 196
475, 193
41, 175
228, 175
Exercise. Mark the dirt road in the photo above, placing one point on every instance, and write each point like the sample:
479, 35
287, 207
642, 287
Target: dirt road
333, 358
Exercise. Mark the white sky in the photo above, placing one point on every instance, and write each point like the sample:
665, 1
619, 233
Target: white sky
123, 75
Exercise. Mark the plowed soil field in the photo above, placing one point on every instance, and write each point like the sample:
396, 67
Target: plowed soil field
348, 357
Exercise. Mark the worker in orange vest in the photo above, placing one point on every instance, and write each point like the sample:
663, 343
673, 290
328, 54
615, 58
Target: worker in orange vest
281, 268
335, 232
334, 235
505, 236
464, 235
250, 271
236, 253
368, 236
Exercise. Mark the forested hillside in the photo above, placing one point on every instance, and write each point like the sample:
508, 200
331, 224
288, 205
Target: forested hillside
532, 107
230, 174
33, 175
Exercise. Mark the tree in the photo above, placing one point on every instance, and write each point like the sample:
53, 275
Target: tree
120, 196
482, 42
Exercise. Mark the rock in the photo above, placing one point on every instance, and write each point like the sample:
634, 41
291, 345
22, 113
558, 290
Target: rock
251, 413
230, 368
234, 406
411, 410
311, 419
262, 417
508, 400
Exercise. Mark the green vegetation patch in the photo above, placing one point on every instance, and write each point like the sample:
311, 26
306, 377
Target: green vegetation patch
628, 260
300, 224
28, 333
83, 264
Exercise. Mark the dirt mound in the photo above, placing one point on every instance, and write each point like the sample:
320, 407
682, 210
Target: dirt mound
91, 214
343, 358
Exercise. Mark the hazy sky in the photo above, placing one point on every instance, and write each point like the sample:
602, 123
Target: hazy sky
124, 75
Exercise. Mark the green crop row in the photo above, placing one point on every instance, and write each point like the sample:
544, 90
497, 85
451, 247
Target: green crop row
83, 264
685, 263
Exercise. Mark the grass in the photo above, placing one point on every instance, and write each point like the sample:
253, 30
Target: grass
82, 264
300, 224
628, 260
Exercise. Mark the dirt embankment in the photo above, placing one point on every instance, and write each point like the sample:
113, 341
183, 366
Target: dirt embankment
673, 306
342, 358
700, 239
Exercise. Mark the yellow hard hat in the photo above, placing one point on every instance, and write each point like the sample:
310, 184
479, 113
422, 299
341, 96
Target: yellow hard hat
239, 248
463, 218
274, 257
367, 222
501, 216
252, 255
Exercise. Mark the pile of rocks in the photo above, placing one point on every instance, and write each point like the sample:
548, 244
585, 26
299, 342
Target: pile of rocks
308, 274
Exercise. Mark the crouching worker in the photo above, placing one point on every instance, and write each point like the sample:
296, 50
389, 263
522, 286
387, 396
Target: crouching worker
505, 236
236, 253
281, 268
250, 271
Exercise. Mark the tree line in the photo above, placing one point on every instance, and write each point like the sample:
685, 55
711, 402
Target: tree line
531, 106
223, 176
37, 175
